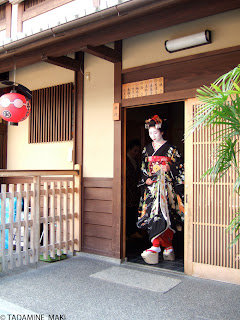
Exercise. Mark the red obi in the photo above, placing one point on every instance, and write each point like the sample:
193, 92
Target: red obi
154, 163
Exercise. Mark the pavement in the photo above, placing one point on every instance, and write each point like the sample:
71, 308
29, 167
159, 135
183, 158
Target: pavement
91, 287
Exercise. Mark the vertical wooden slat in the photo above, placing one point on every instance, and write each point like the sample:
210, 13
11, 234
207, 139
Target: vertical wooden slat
51, 117
26, 219
41, 115
59, 219
71, 212
52, 226
10, 234
36, 181
70, 120
61, 113
37, 116
64, 109
65, 215
57, 111
19, 228
45, 224
32, 230
47, 116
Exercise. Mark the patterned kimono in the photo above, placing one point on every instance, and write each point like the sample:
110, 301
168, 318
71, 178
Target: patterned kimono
161, 204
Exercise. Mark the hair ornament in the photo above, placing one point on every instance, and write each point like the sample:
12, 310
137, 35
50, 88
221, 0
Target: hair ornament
156, 119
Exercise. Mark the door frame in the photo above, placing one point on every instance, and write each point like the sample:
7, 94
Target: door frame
187, 246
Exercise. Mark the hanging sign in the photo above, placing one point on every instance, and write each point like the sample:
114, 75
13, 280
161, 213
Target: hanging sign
116, 111
143, 88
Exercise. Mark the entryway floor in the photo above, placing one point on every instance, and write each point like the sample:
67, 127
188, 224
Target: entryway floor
176, 265
135, 246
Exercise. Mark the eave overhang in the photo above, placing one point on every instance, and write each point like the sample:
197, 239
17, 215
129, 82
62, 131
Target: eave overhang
123, 21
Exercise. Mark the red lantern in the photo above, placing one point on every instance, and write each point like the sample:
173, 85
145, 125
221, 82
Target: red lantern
14, 107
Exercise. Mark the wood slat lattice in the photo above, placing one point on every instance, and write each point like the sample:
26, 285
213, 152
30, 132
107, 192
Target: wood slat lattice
214, 205
51, 114
45, 225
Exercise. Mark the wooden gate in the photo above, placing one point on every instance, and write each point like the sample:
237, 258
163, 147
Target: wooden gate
209, 209
39, 218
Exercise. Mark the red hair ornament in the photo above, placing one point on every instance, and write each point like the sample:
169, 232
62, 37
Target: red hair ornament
157, 120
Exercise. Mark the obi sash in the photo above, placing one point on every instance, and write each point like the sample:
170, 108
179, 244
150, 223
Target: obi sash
155, 162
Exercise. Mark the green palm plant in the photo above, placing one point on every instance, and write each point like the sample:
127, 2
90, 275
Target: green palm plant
221, 106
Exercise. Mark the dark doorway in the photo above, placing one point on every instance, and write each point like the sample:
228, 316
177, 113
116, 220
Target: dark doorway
135, 130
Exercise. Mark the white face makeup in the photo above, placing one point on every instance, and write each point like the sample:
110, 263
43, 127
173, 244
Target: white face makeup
155, 135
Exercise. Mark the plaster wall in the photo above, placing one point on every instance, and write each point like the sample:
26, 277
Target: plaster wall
98, 121
24, 156
150, 47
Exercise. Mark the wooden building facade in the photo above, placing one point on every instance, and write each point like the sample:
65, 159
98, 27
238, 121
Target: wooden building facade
101, 53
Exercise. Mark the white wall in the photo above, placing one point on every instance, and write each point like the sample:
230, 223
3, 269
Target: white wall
150, 47
24, 156
98, 121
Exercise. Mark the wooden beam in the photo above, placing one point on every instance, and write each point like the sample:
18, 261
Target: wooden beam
64, 62
104, 52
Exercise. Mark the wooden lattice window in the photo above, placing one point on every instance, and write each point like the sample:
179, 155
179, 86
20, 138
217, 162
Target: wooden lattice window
51, 114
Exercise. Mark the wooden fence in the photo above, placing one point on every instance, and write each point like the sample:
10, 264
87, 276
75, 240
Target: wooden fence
41, 218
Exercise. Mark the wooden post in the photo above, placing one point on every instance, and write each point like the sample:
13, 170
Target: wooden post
117, 178
77, 209
78, 151
188, 221
78, 111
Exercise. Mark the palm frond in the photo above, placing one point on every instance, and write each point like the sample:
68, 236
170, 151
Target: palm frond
225, 157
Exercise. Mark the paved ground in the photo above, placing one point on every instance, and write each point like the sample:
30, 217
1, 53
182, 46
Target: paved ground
84, 287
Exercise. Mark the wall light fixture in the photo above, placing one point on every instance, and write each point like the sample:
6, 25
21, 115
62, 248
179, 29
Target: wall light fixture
194, 40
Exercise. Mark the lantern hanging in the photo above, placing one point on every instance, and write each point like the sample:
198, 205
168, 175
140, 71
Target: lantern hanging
15, 107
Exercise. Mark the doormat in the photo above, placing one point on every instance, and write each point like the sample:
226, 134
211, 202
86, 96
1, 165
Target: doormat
137, 279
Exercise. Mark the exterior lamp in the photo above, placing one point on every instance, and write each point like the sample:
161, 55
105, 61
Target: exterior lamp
15, 107
194, 40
